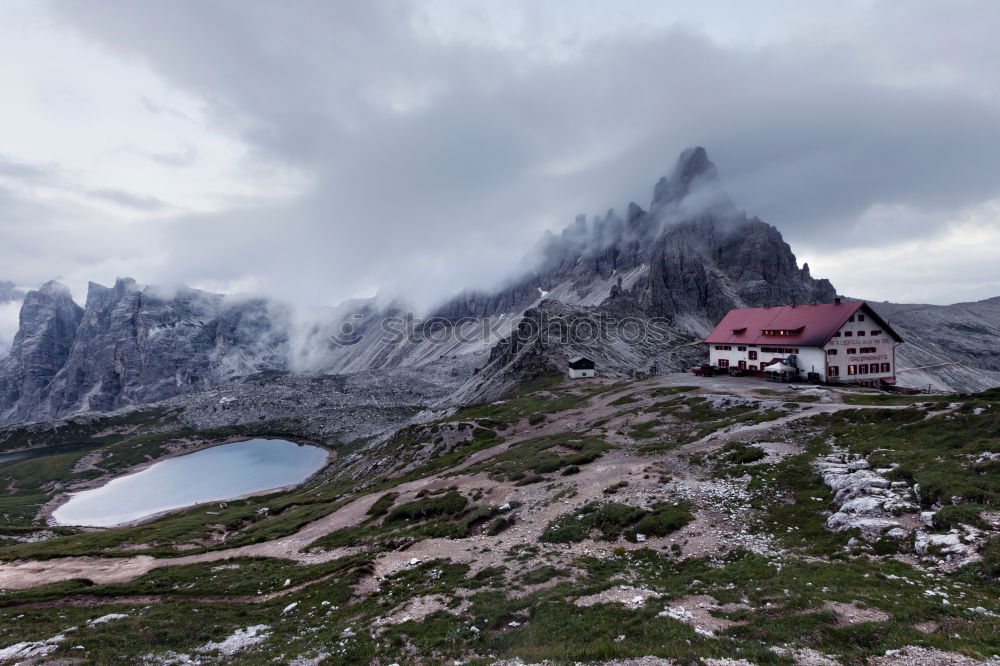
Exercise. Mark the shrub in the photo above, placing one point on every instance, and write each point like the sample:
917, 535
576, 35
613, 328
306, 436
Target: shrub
547, 465
447, 504
955, 515
612, 518
664, 519
382, 504
615, 487
991, 558
483, 434
565, 529
500, 524
543, 575
739, 453
528, 480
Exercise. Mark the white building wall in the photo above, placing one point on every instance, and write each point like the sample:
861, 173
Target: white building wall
816, 359
884, 352
733, 355
579, 374
810, 359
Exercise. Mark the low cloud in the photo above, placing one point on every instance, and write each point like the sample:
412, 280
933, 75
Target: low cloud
9, 313
142, 203
180, 159
20, 170
435, 160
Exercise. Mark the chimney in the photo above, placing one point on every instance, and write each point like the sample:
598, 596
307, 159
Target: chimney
837, 300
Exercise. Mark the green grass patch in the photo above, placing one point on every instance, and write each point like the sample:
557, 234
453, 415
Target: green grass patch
543, 575
536, 457
940, 453
646, 430
544, 395
612, 519
449, 503
381, 506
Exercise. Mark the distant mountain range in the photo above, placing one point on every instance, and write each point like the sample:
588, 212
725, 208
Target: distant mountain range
687, 260
130, 345
951, 347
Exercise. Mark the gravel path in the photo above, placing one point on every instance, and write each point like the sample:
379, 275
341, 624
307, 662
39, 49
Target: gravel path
614, 466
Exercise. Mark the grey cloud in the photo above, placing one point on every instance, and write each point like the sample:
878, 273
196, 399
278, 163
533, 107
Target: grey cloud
20, 170
44, 239
438, 165
180, 159
155, 107
138, 202
151, 106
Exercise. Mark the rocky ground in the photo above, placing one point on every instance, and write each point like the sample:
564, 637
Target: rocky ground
660, 521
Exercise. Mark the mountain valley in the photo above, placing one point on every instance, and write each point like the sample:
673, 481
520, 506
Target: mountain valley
479, 506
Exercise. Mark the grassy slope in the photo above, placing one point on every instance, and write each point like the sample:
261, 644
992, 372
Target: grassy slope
784, 598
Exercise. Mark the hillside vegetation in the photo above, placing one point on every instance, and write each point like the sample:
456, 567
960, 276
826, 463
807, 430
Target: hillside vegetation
686, 520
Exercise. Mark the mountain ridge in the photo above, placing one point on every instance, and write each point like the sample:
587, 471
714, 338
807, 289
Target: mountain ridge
693, 256
687, 260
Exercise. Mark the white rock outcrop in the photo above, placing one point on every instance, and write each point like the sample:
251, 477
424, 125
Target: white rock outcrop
867, 500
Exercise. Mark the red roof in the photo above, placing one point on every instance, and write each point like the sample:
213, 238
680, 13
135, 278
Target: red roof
805, 325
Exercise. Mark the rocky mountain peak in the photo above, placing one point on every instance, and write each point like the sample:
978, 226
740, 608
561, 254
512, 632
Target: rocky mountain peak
125, 285
694, 163
693, 187
693, 169
52, 288
692, 256
52, 295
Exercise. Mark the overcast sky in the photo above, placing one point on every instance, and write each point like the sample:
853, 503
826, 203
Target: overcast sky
323, 150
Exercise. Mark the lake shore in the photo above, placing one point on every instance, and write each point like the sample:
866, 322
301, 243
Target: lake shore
46, 513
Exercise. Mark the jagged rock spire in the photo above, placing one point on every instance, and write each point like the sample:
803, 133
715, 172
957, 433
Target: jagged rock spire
694, 183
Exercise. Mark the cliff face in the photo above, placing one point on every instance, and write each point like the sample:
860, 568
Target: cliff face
48, 322
684, 262
691, 257
548, 335
131, 345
